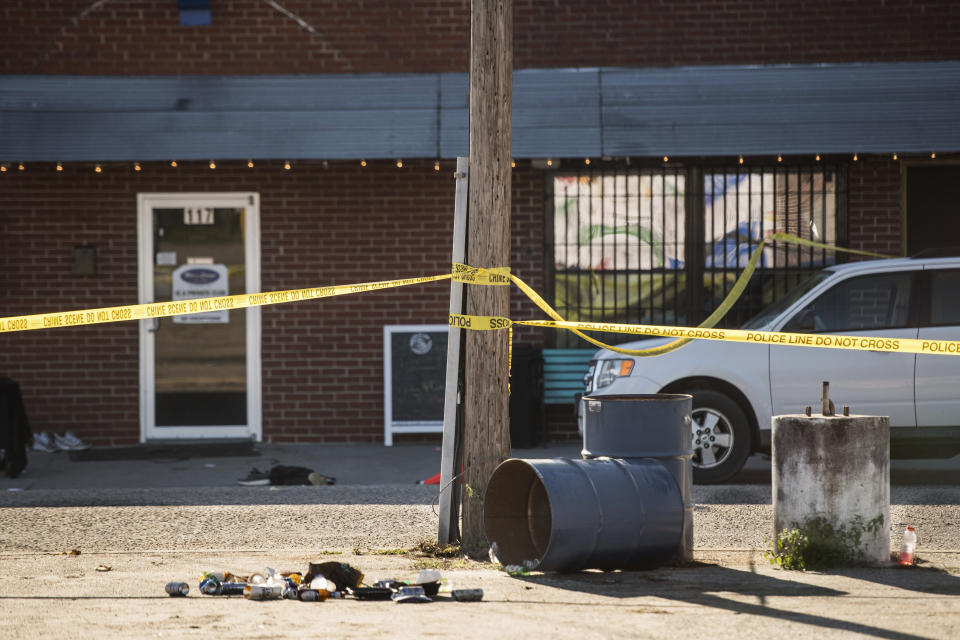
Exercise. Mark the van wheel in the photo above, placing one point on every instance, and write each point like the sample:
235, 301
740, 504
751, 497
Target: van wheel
721, 437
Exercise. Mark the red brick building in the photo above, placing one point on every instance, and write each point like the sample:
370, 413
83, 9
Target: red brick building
703, 123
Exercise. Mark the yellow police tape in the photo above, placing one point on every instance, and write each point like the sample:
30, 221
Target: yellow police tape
714, 318
827, 341
199, 305
503, 276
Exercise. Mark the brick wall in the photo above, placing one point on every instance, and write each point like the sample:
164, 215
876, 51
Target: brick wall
322, 360
874, 213
352, 36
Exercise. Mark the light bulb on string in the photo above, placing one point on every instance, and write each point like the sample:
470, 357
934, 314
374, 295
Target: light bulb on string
136, 166
173, 163
586, 161
436, 165
59, 167
549, 162
741, 159
666, 158
20, 167
933, 155
399, 164
818, 157
779, 158
249, 164
3, 168
213, 165
98, 169
287, 166
513, 164
894, 155
855, 157
363, 163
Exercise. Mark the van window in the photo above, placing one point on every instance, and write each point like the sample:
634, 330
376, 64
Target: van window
944, 297
878, 301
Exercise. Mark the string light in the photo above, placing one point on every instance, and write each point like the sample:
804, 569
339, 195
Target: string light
855, 158
586, 161
136, 166
513, 164
59, 167
741, 159
98, 169
363, 163
399, 164
549, 162
666, 158
213, 165
250, 164
933, 155
21, 167
286, 165
436, 166
818, 157
3, 168
894, 155
173, 163
779, 158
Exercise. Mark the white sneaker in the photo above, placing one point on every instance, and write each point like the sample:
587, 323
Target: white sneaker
69, 442
43, 443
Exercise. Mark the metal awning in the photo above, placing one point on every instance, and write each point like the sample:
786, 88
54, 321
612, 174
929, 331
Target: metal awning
682, 111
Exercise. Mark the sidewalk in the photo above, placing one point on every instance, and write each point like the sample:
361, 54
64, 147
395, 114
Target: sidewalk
350, 464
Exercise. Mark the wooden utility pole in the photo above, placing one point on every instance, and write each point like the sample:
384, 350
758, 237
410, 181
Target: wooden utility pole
486, 411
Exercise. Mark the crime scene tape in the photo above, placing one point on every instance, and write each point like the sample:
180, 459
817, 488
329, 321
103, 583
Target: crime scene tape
711, 321
197, 305
503, 276
825, 341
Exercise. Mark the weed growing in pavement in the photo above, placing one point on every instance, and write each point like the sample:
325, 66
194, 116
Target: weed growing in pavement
818, 545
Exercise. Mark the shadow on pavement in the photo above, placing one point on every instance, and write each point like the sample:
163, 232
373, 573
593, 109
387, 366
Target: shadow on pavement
701, 584
925, 579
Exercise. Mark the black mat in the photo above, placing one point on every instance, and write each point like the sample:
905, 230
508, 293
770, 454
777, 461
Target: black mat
167, 452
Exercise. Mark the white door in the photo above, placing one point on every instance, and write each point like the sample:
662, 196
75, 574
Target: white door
870, 382
199, 373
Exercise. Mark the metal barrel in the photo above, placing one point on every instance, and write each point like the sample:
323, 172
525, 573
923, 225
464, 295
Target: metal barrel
562, 514
638, 426
646, 426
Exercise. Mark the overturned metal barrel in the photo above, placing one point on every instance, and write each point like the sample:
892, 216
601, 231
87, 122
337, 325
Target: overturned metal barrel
566, 514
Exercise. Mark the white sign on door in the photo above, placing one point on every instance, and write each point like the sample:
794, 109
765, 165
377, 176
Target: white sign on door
201, 281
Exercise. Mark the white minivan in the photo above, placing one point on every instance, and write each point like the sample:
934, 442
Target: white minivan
737, 387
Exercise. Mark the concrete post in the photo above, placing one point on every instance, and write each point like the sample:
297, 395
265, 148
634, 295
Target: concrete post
837, 468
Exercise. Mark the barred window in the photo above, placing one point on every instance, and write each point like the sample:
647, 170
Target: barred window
640, 246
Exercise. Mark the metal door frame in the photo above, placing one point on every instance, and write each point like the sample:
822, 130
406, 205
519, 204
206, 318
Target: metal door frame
250, 203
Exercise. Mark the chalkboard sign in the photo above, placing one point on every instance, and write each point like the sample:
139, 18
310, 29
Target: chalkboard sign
415, 370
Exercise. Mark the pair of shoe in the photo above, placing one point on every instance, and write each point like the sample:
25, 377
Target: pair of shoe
47, 443
281, 474
255, 478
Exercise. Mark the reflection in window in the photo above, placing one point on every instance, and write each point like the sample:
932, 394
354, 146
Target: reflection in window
945, 297
619, 246
858, 304
629, 245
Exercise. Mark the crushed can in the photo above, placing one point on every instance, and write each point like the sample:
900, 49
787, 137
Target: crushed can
467, 595
263, 592
211, 587
177, 589
232, 588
